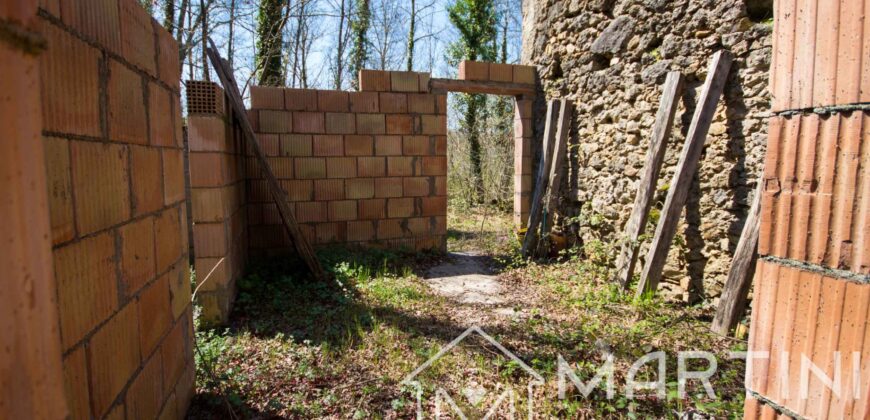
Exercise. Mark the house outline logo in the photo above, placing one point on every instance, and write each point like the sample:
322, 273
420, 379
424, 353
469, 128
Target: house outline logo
441, 393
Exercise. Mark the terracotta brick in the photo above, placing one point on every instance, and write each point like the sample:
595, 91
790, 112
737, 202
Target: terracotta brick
298, 190
434, 165
155, 314
342, 210
308, 122
282, 167
393, 103
499, 72
60, 203
388, 145
97, 20
308, 212
360, 188
328, 145
473, 70
296, 145
419, 226
400, 166
400, 124
415, 145
173, 176
370, 123
421, 103
424, 82
137, 254
441, 145
267, 97
167, 234
70, 85
170, 409
434, 206
210, 239
416, 187
372, 209
333, 101
434, 124
440, 225
168, 65
145, 395
173, 351
160, 113
388, 187
275, 121
441, 104
100, 180
328, 233
404, 81
310, 168
206, 133
344, 167
360, 231
270, 144
219, 270
364, 102
75, 383
300, 99
207, 170
340, 123
374, 80
137, 36
127, 120
524, 74
179, 289
358, 145
208, 204
390, 229
400, 207
441, 185
184, 390
113, 353
371, 166
328, 189
87, 286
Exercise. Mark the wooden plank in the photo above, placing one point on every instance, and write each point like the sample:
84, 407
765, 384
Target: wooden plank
304, 249
732, 303
560, 150
655, 155
531, 237
717, 75
475, 86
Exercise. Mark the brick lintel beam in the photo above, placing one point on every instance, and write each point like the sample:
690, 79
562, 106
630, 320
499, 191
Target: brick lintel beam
488, 87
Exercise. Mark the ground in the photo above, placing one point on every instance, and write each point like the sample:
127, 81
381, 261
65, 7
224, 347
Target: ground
299, 349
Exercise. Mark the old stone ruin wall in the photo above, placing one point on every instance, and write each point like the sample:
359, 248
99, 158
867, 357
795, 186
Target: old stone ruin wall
611, 57
94, 98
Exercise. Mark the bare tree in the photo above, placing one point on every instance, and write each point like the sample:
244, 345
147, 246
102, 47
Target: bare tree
386, 38
415, 15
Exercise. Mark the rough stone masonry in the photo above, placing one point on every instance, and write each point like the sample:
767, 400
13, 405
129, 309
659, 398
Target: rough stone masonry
611, 57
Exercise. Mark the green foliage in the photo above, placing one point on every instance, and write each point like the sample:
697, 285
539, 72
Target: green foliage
269, 39
359, 28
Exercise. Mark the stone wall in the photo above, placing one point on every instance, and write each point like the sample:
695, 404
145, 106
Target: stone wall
111, 131
610, 57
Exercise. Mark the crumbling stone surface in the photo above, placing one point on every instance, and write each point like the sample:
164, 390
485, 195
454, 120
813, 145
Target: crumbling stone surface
610, 58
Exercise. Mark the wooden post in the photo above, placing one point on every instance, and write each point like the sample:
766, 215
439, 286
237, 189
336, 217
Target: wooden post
717, 74
559, 151
733, 300
655, 155
540, 183
229, 81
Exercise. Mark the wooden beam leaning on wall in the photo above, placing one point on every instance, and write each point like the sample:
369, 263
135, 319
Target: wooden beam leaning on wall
229, 81
550, 128
560, 150
717, 75
636, 225
733, 299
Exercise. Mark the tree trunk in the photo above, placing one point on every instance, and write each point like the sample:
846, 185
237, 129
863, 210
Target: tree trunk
471, 117
268, 55
359, 50
230, 51
339, 56
203, 10
411, 34
169, 15
179, 35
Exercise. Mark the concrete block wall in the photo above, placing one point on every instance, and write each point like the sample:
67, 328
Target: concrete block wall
361, 168
113, 155
220, 231
812, 297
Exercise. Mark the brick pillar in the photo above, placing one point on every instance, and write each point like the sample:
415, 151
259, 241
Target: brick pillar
811, 294
523, 142
216, 176
31, 384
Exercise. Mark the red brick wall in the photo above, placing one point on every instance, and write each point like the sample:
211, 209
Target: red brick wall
115, 173
361, 168
812, 295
